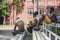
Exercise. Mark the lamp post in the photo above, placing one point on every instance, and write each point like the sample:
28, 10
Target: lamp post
35, 5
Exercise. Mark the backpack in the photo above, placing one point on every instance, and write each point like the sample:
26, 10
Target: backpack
47, 20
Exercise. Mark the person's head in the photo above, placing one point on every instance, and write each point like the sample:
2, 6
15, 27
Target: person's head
51, 9
17, 18
35, 14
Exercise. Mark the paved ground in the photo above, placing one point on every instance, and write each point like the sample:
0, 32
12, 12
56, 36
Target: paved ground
4, 38
5, 33
6, 27
28, 38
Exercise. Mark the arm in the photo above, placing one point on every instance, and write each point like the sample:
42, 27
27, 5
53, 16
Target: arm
15, 27
37, 23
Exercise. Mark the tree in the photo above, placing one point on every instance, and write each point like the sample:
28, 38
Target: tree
19, 5
3, 9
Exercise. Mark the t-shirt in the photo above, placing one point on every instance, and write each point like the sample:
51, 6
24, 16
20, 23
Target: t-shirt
18, 20
34, 21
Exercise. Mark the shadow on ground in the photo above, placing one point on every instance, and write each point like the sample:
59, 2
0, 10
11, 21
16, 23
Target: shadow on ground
6, 32
9, 34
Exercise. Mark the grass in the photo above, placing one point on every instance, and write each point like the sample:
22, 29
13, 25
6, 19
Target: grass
58, 31
53, 29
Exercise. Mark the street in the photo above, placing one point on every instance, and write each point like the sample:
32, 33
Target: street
6, 33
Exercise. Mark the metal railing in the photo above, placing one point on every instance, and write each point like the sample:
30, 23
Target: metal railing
19, 36
50, 35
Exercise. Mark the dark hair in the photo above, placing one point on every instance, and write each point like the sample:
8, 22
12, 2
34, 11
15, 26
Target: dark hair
17, 18
36, 13
51, 9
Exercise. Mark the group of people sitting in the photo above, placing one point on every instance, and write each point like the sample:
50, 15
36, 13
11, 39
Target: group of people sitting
37, 21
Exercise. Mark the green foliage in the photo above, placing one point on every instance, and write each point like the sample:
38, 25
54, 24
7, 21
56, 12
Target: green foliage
0, 0
31, 21
3, 8
19, 5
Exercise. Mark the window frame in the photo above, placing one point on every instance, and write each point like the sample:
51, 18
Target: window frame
41, 10
29, 10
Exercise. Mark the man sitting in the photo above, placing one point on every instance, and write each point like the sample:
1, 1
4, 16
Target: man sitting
20, 25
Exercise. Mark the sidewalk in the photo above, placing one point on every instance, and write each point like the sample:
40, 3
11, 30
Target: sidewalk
5, 37
5, 32
6, 27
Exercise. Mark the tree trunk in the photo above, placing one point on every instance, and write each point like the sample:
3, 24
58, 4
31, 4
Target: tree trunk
4, 20
1, 20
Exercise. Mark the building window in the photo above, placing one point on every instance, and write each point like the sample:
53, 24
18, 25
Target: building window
40, 11
30, 11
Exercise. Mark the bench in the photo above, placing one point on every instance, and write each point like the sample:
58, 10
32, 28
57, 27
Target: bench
19, 36
37, 35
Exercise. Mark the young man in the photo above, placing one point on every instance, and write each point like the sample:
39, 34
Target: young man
20, 25
53, 18
34, 24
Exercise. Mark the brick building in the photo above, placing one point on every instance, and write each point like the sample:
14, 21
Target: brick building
44, 6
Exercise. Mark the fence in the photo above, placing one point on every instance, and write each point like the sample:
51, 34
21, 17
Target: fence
50, 34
